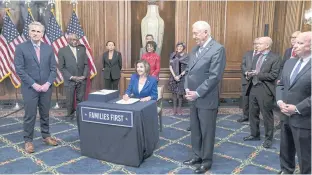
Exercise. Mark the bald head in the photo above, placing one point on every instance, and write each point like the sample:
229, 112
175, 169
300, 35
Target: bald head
302, 46
264, 43
202, 25
293, 37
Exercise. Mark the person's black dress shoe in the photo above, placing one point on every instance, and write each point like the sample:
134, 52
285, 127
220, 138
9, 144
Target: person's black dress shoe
251, 138
267, 144
188, 128
243, 119
192, 161
202, 169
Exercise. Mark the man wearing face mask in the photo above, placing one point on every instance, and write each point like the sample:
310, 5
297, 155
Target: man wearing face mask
73, 63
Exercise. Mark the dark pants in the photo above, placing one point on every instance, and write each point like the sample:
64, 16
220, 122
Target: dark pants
73, 90
245, 106
295, 140
260, 101
32, 100
245, 101
203, 128
111, 84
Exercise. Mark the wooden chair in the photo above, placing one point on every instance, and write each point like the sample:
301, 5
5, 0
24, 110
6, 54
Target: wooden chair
160, 90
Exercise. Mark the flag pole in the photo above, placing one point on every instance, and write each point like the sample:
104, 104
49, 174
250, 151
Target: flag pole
51, 2
6, 2
56, 103
16, 101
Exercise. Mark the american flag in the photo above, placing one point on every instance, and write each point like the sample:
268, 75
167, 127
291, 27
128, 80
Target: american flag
75, 27
54, 37
29, 19
9, 39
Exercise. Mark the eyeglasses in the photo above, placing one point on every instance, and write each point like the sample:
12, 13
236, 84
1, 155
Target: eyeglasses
293, 37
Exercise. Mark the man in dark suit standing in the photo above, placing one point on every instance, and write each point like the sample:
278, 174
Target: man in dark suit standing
245, 67
73, 63
261, 91
293, 96
289, 53
204, 73
36, 66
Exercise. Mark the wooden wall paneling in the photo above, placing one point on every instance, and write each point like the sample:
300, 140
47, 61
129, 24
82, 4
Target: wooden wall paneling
214, 13
279, 27
236, 33
138, 11
263, 14
292, 21
306, 6
195, 8
124, 37
231, 84
167, 13
182, 25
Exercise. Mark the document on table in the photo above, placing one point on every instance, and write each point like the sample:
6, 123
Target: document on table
130, 101
104, 92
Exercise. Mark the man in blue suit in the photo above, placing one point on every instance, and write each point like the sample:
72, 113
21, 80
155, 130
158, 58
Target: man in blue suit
204, 73
36, 66
293, 96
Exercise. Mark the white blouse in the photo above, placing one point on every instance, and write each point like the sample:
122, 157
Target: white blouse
140, 87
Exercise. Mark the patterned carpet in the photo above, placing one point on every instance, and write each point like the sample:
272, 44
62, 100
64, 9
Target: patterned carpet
232, 154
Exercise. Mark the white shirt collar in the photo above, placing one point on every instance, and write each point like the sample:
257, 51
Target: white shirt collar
208, 40
306, 59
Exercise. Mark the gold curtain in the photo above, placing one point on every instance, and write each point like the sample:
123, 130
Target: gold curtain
58, 13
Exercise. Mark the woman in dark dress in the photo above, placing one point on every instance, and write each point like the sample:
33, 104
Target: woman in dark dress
178, 63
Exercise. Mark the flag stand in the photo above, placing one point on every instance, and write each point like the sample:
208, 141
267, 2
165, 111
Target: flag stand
16, 107
56, 104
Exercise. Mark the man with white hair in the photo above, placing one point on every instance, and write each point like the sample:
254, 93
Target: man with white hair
261, 91
204, 73
36, 66
293, 96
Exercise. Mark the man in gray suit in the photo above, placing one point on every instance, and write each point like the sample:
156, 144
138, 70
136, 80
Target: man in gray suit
261, 91
149, 37
245, 67
35, 64
293, 95
204, 73
73, 63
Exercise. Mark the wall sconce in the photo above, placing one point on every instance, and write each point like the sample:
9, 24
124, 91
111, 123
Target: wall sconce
308, 17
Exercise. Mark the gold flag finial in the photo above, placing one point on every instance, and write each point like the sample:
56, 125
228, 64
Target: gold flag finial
27, 2
74, 2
